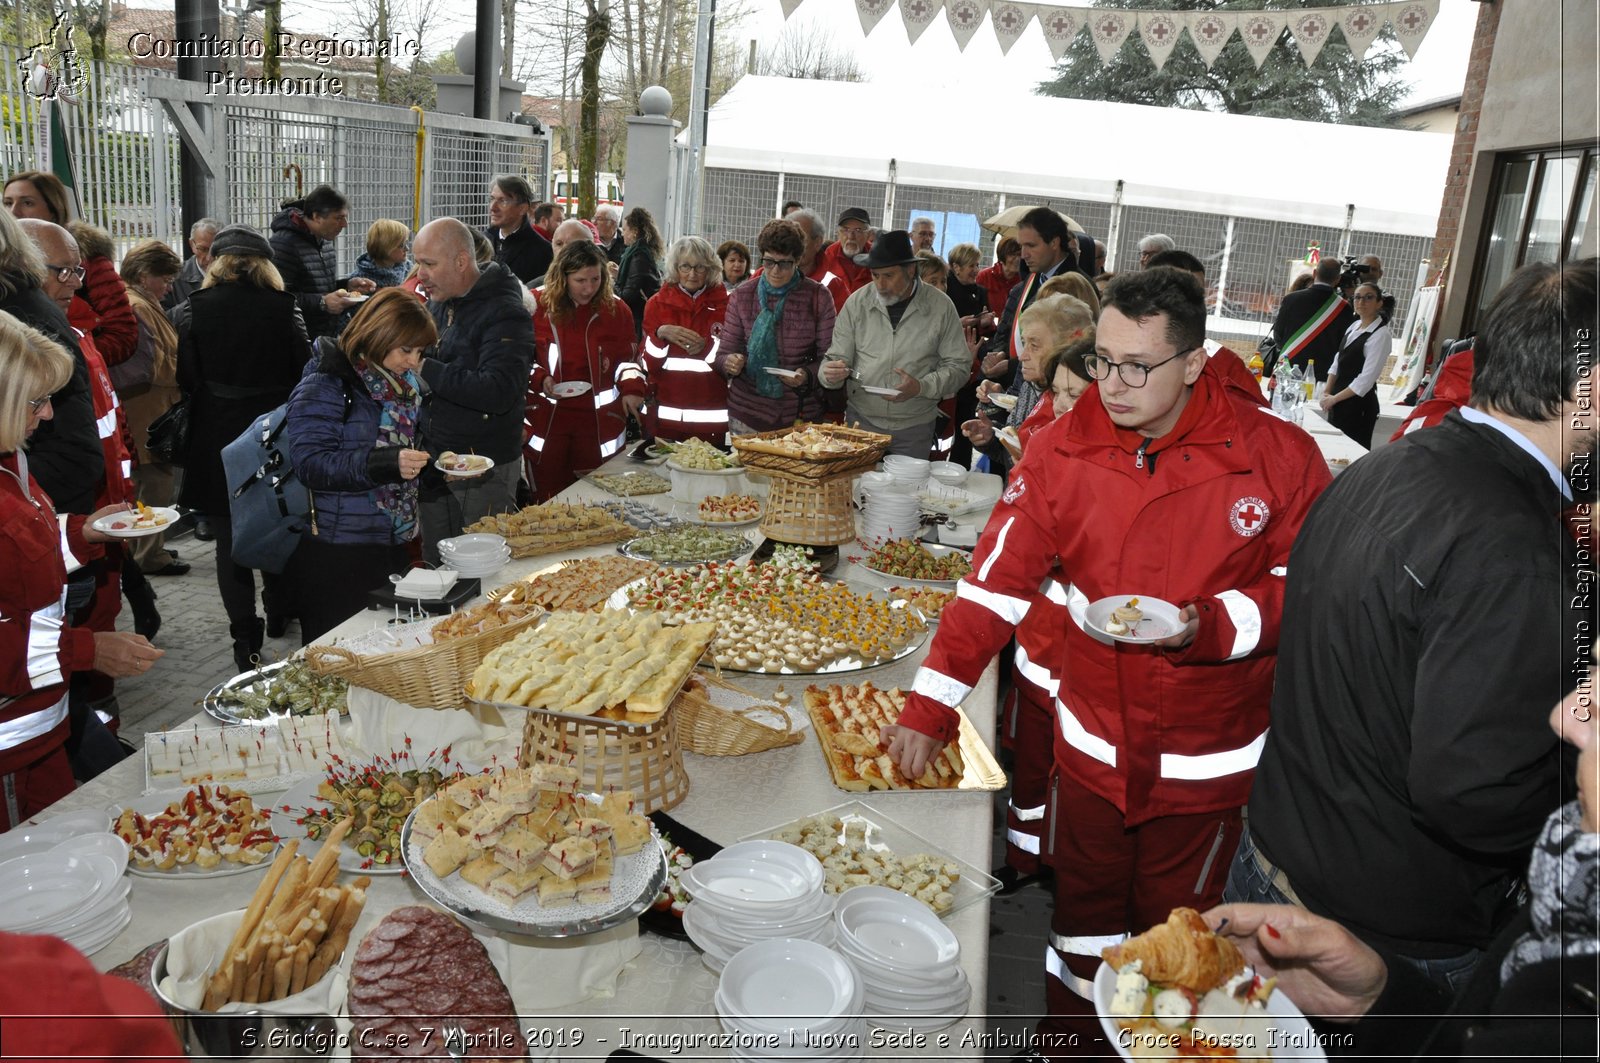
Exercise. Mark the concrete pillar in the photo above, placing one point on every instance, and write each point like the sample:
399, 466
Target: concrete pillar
650, 163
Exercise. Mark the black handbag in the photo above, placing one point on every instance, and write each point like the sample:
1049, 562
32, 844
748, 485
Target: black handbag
167, 438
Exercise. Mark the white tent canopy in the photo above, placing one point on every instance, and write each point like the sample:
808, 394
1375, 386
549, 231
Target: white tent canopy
1023, 146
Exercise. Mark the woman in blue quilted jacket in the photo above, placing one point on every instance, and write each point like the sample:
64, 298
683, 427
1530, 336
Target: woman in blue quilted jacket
352, 429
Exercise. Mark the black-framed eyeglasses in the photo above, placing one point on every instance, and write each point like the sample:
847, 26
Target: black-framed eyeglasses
38, 404
1133, 374
685, 267
852, 230
66, 274
777, 263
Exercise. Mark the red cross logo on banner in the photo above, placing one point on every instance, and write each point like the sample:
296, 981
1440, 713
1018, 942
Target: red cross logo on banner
1110, 26
918, 8
1209, 28
1009, 18
1360, 22
1061, 25
1160, 31
1260, 29
1411, 19
1249, 516
963, 14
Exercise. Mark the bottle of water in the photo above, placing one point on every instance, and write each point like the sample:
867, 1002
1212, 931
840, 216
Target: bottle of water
1280, 386
1297, 390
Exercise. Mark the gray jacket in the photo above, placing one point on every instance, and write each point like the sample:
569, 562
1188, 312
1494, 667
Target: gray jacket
928, 345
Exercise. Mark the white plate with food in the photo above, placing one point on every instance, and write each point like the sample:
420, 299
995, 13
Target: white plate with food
873, 390
789, 375
1134, 618
217, 820
1009, 436
571, 389
919, 562
727, 511
354, 297
138, 522
1004, 400
463, 464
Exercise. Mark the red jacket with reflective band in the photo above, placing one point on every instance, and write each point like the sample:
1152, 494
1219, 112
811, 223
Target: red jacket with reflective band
110, 422
836, 285
1205, 516
1453, 391
844, 267
688, 396
597, 346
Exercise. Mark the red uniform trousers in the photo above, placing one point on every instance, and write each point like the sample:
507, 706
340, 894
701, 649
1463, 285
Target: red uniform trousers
1028, 729
572, 446
35, 775
1112, 880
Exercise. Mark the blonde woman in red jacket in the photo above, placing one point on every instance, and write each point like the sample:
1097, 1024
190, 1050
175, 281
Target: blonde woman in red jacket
585, 382
682, 330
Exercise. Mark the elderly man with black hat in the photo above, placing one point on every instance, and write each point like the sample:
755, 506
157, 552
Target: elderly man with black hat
899, 348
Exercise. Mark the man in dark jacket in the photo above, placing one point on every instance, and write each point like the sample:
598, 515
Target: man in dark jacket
193, 274
1311, 322
476, 379
518, 246
1430, 622
302, 249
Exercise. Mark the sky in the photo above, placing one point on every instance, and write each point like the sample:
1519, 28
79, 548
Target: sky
1439, 68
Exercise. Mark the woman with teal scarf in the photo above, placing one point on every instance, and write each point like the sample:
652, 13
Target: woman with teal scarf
777, 329
352, 430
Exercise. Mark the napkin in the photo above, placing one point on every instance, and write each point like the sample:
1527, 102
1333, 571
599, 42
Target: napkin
194, 953
477, 735
545, 973
425, 583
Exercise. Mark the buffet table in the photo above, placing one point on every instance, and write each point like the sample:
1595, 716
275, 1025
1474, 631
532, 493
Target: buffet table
666, 989
1338, 449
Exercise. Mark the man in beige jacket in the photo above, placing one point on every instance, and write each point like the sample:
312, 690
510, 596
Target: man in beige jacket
899, 348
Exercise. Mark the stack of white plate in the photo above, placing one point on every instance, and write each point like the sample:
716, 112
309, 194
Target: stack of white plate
75, 891
910, 473
890, 508
787, 998
909, 962
752, 892
476, 555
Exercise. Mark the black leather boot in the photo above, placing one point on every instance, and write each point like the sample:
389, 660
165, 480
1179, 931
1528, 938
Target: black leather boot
247, 639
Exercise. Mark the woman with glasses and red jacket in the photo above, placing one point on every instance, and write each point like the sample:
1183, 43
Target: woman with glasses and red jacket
585, 383
682, 329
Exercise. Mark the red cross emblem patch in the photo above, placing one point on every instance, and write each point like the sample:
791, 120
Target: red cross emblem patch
1249, 516
1015, 490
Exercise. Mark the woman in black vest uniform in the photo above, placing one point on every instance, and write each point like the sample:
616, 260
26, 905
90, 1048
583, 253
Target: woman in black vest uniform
1352, 398
241, 347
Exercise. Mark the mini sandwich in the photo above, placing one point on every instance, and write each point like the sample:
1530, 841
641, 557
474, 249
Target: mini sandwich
431, 818
470, 791
555, 890
515, 790
629, 835
594, 886
482, 871
511, 887
520, 849
542, 823
560, 777
595, 828
570, 857
485, 824
446, 852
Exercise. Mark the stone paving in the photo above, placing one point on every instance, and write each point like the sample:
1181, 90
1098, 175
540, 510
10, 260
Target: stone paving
194, 632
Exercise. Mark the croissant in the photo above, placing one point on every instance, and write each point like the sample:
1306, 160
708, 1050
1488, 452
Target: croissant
1180, 952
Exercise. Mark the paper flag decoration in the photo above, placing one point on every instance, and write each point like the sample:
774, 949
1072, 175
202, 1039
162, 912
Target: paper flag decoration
871, 12
1160, 30
789, 7
1210, 31
1260, 30
1009, 20
919, 15
1060, 25
1310, 30
1411, 22
1359, 26
1109, 28
965, 16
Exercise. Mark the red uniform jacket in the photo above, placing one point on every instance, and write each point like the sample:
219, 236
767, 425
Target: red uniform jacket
1453, 391
110, 422
836, 285
592, 345
997, 285
688, 396
1208, 522
835, 261
38, 651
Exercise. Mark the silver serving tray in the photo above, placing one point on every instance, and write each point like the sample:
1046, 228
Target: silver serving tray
627, 550
937, 550
430, 884
226, 712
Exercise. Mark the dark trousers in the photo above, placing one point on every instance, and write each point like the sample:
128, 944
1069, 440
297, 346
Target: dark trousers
329, 581
237, 584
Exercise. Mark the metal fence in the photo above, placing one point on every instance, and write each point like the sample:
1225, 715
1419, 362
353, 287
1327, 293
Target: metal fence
1249, 261
270, 148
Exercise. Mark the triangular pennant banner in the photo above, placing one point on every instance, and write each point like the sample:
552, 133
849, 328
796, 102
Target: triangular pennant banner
964, 16
1260, 30
789, 7
1210, 31
1009, 20
1411, 22
1160, 31
1359, 26
1109, 28
1060, 25
871, 12
1310, 30
919, 15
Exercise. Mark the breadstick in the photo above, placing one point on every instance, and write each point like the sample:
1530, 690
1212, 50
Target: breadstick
264, 893
293, 883
333, 943
275, 946
236, 990
302, 964
282, 972
328, 856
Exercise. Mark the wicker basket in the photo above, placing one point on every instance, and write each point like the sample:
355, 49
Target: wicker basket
758, 451
812, 512
428, 677
714, 731
645, 760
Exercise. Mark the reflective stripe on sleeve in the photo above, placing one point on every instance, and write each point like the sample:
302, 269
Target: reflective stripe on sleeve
535, 443
73, 564
686, 365
602, 399
1213, 765
1028, 843
609, 448
44, 644
107, 426
1007, 608
1037, 674
939, 687
26, 728
1246, 618
1056, 967
1027, 815
655, 349
678, 413
999, 547
1073, 732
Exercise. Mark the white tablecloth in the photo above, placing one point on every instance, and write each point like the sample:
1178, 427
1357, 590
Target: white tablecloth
729, 798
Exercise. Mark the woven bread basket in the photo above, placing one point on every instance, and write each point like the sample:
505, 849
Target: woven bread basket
761, 451
712, 730
812, 512
428, 677
647, 760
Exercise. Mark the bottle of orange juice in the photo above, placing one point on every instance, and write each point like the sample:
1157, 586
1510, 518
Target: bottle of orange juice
1256, 364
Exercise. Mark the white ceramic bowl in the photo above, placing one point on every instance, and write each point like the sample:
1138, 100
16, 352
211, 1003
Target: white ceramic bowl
786, 978
949, 473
